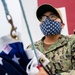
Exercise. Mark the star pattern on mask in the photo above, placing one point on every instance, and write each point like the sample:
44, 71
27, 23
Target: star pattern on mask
15, 59
50, 27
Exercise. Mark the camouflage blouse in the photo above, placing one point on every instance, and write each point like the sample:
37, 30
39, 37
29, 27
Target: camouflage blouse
61, 54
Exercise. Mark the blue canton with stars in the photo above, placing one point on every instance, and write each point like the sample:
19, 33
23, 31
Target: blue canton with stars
13, 60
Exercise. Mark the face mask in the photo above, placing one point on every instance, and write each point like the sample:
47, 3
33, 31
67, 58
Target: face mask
51, 27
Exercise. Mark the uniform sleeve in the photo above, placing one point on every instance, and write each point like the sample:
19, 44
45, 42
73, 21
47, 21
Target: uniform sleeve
71, 72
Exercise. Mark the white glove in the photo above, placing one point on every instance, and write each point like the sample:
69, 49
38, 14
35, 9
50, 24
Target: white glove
31, 68
32, 65
42, 57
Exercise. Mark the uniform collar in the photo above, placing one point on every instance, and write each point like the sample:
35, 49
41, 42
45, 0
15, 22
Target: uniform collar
59, 43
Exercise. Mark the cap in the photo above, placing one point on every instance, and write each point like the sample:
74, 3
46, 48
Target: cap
47, 7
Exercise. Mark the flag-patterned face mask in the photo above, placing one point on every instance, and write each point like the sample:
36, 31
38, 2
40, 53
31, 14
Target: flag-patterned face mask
51, 27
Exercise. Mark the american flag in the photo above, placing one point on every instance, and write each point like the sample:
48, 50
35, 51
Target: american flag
13, 59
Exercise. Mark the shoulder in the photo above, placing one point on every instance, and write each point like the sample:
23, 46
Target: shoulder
36, 44
68, 39
71, 37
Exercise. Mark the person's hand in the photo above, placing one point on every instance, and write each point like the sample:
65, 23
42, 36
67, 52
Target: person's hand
42, 71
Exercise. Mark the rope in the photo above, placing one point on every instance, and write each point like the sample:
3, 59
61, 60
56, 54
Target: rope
28, 29
7, 13
5, 7
9, 20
